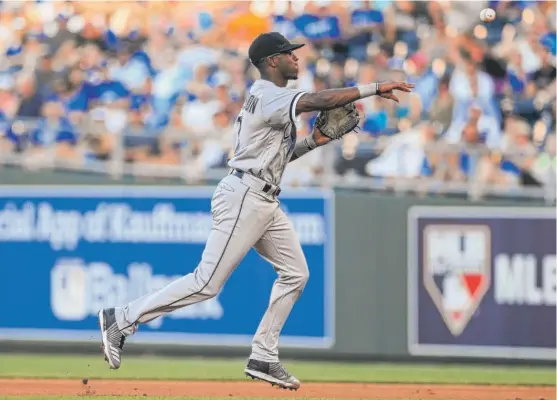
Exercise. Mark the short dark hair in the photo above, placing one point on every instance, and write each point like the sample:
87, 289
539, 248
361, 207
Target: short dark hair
261, 65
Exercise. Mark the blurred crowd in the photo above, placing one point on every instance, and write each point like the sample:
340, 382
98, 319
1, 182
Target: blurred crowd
160, 83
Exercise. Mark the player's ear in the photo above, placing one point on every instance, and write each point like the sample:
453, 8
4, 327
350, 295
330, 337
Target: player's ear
271, 62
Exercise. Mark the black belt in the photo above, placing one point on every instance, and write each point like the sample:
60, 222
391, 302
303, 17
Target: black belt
267, 188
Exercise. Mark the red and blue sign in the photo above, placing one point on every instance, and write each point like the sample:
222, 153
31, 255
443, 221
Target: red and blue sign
482, 282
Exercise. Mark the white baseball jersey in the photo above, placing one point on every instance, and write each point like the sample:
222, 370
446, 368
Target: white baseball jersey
266, 131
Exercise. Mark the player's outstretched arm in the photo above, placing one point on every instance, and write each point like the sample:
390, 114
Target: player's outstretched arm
333, 98
330, 99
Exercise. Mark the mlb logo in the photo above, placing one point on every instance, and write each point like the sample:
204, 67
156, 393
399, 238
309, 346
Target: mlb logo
457, 270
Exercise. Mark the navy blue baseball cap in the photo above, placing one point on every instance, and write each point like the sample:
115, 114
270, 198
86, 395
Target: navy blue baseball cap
268, 44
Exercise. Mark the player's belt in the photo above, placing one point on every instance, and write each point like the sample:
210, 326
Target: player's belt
256, 183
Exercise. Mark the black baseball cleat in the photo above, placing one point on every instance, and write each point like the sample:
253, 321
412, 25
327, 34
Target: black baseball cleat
112, 339
272, 372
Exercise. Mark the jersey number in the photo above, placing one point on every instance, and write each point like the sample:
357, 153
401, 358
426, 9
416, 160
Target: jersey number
239, 122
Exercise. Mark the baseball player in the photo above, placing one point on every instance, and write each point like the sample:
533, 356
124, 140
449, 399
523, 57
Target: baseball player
245, 206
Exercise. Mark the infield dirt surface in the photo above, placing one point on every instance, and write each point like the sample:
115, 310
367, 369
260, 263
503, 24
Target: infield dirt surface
247, 389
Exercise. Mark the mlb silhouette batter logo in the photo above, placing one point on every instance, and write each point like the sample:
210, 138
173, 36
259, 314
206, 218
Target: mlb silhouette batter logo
457, 270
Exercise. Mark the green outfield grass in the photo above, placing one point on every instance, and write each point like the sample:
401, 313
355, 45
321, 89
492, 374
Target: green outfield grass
45, 366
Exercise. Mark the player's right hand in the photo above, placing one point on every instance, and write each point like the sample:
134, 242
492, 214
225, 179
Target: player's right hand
386, 89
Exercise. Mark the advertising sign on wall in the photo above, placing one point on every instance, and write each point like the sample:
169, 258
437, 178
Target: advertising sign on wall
482, 282
66, 252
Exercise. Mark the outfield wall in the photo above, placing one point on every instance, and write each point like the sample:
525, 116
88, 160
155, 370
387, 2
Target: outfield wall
391, 277
396, 301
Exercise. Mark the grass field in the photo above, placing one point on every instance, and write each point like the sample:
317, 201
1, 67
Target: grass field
219, 371
226, 369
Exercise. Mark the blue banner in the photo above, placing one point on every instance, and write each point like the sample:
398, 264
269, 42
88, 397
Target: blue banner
66, 252
314, 27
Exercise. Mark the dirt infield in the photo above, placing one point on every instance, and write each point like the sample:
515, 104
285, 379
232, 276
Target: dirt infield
65, 387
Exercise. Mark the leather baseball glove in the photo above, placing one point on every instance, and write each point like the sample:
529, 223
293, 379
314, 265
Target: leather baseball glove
338, 122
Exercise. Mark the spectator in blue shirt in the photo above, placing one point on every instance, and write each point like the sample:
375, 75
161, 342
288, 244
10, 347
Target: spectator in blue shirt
53, 129
132, 72
51, 139
109, 100
144, 86
110, 90
426, 81
365, 24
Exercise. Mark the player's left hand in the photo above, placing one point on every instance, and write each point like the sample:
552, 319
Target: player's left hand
334, 124
386, 89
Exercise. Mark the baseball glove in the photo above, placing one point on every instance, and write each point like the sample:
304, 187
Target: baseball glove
338, 122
